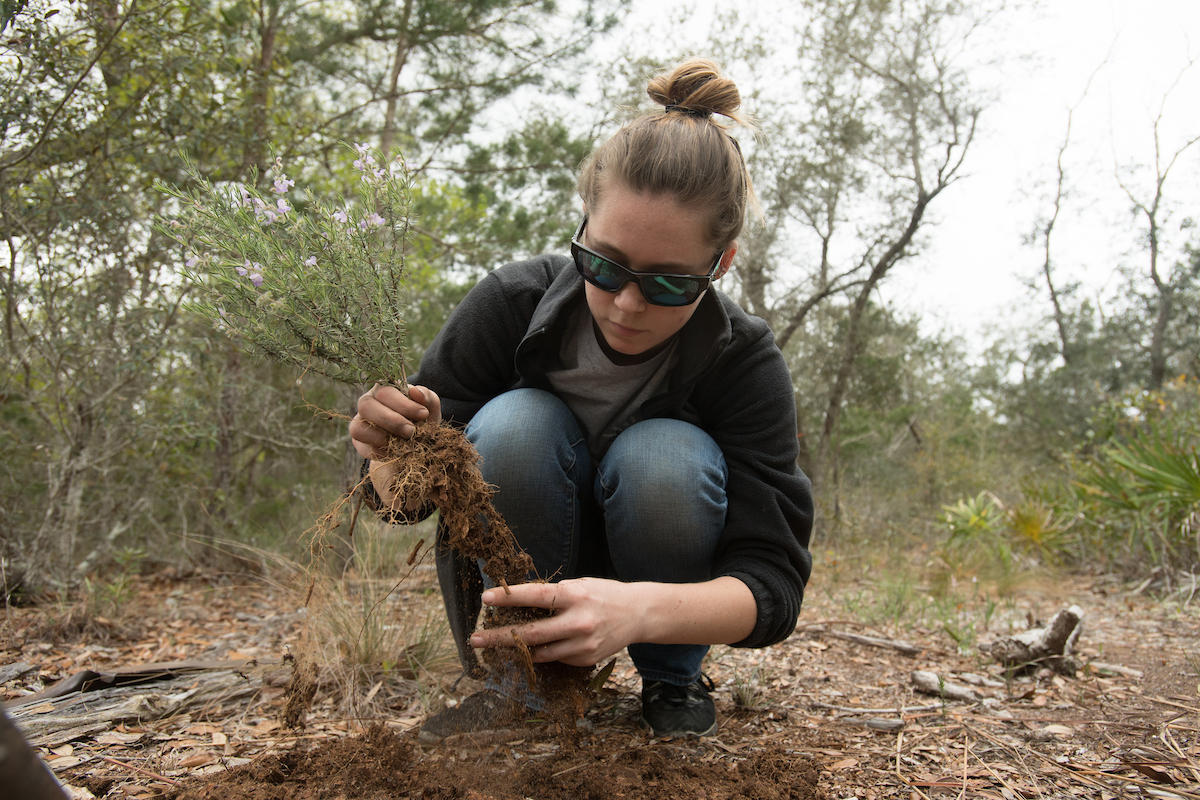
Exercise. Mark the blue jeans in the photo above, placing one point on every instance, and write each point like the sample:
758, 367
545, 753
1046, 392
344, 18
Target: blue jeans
651, 510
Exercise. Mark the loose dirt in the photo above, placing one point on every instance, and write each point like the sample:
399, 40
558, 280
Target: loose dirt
798, 720
382, 765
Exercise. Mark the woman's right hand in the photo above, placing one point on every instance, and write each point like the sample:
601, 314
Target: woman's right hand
385, 411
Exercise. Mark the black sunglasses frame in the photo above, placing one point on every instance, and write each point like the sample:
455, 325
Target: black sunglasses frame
643, 279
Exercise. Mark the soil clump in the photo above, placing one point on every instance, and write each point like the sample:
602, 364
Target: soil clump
439, 467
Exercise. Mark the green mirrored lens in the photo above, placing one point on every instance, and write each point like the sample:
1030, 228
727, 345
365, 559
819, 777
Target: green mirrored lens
670, 290
606, 273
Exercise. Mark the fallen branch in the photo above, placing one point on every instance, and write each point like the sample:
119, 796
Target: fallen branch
895, 710
1164, 701
871, 641
1116, 669
932, 683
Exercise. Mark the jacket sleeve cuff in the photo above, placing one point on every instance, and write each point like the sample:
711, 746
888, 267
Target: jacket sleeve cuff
778, 603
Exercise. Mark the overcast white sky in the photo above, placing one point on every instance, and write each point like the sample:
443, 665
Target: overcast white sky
970, 277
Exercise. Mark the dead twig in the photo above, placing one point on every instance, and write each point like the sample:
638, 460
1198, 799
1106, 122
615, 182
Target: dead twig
894, 710
142, 770
1164, 701
874, 641
899, 775
1177, 751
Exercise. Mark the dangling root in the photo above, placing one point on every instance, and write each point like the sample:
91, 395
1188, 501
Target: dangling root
439, 467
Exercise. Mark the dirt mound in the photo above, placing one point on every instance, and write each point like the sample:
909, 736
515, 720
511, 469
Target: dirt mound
382, 765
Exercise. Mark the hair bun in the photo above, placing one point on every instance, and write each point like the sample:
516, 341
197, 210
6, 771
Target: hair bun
697, 87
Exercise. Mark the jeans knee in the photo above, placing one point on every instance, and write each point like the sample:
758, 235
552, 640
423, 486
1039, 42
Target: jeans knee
665, 463
662, 490
520, 427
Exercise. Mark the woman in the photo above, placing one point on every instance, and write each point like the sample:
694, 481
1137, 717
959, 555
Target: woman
639, 426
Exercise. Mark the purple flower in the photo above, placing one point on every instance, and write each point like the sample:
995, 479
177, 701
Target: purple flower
245, 198
191, 262
251, 269
282, 206
374, 220
311, 261
363, 148
282, 183
340, 216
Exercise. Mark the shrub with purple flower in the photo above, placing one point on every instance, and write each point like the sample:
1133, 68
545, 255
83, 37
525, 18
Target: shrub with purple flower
318, 284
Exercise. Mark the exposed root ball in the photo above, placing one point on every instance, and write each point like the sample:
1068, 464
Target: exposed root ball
439, 467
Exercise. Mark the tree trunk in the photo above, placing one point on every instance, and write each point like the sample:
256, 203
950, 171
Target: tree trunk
221, 493
852, 343
387, 137
1158, 336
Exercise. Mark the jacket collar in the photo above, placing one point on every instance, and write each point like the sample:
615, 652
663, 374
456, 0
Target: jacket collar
706, 334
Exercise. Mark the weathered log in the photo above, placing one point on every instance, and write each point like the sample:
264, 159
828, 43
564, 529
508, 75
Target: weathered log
73, 716
10, 671
89, 680
1050, 646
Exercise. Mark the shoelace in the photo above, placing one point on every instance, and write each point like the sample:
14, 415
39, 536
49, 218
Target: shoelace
682, 695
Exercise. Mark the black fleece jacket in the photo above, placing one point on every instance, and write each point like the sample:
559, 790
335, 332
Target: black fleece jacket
730, 380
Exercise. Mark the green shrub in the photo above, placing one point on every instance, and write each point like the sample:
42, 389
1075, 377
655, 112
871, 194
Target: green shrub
1134, 491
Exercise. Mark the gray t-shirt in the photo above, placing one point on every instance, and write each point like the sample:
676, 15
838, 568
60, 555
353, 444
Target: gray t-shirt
605, 389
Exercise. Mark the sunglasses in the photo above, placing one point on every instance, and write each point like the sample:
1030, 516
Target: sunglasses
659, 288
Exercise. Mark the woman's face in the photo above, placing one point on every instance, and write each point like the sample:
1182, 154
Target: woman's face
646, 233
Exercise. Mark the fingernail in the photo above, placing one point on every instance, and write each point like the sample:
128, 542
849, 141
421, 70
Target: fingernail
489, 596
408, 430
476, 640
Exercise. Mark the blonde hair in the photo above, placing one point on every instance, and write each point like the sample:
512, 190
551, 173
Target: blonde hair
682, 150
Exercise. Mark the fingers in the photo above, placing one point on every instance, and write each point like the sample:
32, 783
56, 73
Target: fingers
385, 411
574, 634
428, 398
535, 595
546, 639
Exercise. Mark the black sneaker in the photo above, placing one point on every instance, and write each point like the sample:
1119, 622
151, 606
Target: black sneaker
670, 710
482, 712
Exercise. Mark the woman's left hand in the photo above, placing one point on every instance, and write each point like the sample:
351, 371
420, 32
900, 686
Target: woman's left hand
594, 618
